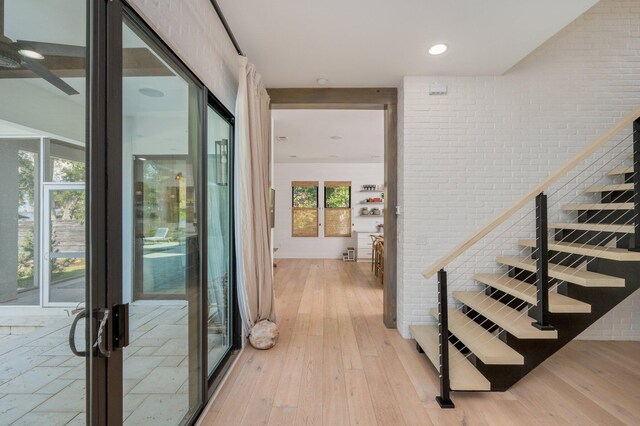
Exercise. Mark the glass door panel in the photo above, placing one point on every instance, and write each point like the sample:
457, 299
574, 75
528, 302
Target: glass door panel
43, 100
219, 244
162, 371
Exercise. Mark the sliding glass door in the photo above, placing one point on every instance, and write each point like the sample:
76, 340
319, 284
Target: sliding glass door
45, 350
117, 292
161, 140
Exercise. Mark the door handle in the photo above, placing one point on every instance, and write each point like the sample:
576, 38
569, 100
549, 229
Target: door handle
72, 334
99, 346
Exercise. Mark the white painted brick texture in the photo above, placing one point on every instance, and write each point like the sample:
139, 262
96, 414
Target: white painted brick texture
194, 33
466, 156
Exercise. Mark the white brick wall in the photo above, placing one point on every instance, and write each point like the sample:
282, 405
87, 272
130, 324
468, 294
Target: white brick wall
466, 156
194, 33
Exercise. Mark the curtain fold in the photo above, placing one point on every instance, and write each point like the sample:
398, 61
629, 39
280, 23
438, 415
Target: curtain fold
253, 247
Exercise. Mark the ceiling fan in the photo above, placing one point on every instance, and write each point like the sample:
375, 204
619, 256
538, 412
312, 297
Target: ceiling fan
28, 54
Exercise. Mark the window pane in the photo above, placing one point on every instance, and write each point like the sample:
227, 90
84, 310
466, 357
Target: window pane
42, 243
305, 196
305, 222
161, 137
337, 222
219, 147
337, 197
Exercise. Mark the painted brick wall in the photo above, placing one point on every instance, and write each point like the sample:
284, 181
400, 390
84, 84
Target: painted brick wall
194, 33
467, 155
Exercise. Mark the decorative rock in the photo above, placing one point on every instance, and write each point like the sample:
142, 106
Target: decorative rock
264, 335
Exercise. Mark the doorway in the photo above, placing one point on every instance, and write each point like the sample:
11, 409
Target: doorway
384, 99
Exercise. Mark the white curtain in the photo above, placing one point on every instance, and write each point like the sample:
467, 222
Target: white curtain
253, 250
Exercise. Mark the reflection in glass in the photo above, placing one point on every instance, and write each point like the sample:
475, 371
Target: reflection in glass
161, 264
218, 239
42, 129
165, 219
65, 248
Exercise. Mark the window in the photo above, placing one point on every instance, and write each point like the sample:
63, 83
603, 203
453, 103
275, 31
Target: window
304, 212
337, 209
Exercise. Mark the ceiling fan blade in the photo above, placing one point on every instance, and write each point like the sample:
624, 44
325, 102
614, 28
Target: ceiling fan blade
54, 49
43, 72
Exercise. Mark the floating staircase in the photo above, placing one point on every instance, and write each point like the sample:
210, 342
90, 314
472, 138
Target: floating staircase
592, 266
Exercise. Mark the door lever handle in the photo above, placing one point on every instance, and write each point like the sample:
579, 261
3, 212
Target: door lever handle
99, 346
101, 340
72, 334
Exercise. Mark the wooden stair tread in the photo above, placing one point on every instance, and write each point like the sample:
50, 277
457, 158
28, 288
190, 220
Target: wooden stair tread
462, 374
610, 188
486, 346
558, 303
611, 253
623, 170
598, 206
598, 227
576, 276
515, 322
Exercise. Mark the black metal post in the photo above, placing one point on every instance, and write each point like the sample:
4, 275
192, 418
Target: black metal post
443, 329
542, 263
636, 184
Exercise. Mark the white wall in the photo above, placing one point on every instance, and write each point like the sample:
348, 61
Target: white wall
322, 248
467, 155
194, 33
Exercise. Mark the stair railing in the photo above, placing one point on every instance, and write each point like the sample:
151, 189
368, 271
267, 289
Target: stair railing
542, 264
636, 183
516, 220
444, 400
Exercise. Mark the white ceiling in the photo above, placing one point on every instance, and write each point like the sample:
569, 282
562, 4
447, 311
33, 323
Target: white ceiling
309, 135
373, 43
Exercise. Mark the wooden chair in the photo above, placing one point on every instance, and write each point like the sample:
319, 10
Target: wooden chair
378, 257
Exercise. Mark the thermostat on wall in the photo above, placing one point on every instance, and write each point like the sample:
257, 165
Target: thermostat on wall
437, 89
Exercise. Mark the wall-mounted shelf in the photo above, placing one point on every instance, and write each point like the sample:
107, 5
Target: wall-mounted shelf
371, 215
371, 190
372, 202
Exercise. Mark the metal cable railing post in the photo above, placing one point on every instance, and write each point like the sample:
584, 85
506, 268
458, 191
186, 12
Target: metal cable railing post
443, 332
636, 184
542, 264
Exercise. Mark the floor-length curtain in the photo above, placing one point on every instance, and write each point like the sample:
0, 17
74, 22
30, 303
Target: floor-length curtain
255, 266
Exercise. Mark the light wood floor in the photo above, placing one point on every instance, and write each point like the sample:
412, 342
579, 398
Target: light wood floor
336, 364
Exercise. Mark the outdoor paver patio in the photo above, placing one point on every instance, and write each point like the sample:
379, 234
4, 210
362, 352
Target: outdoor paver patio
41, 382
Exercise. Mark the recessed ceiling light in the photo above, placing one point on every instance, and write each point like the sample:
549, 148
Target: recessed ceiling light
142, 159
336, 137
152, 93
31, 54
322, 81
438, 49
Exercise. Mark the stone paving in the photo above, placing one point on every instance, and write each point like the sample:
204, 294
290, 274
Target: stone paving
41, 382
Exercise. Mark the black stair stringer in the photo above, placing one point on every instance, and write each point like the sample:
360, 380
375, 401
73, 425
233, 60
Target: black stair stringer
569, 326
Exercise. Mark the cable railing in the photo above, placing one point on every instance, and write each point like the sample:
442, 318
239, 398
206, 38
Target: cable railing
513, 288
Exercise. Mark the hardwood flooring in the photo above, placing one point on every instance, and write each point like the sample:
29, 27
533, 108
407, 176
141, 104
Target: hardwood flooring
336, 364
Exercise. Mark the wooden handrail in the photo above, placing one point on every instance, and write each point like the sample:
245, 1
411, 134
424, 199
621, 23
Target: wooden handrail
577, 159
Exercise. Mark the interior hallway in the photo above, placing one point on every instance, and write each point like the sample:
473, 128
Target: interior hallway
335, 364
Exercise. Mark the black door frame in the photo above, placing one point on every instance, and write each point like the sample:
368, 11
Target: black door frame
104, 376
104, 207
